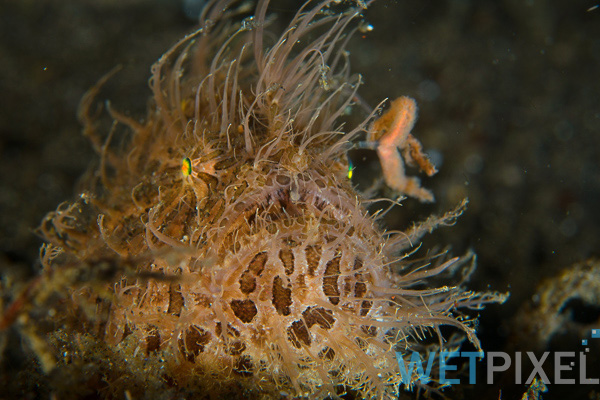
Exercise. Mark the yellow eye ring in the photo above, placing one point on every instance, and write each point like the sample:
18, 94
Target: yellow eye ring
350, 169
186, 167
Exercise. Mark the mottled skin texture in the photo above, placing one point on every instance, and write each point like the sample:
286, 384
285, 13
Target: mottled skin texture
225, 244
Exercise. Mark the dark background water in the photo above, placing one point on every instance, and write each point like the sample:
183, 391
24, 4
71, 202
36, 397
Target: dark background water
509, 102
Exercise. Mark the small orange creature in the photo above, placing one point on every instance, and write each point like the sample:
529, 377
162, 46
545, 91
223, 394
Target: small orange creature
391, 133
